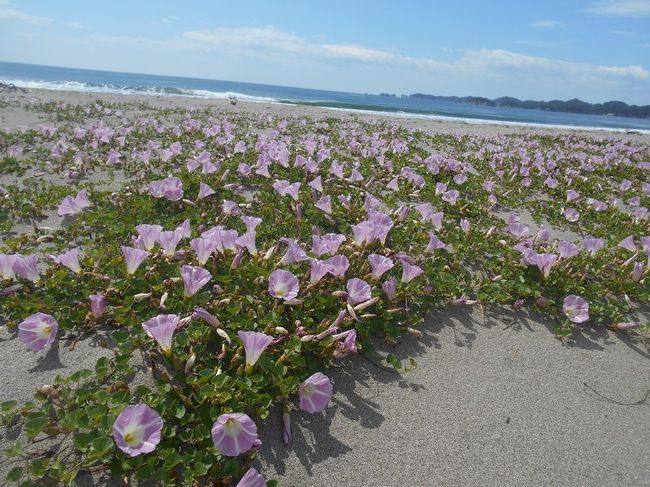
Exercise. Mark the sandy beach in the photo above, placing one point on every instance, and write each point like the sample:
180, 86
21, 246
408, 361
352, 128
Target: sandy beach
496, 399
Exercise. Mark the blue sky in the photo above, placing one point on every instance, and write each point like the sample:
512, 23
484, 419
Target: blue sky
592, 49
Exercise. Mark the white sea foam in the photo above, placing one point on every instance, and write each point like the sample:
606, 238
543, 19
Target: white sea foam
126, 90
220, 95
484, 121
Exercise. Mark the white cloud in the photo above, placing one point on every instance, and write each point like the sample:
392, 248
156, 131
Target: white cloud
621, 8
266, 40
7, 12
75, 25
547, 24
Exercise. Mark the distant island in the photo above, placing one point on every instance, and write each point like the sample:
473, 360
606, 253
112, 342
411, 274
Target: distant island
612, 108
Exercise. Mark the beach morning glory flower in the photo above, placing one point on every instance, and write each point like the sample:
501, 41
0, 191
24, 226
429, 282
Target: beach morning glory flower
137, 430
70, 259
133, 258
576, 309
97, 305
194, 278
410, 272
294, 253
315, 393
149, 235
7, 266
571, 215
254, 344
283, 285
27, 267
338, 265
205, 191
252, 478
72, 205
203, 247
318, 270
628, 244
390, 288
435, 243
251, 223
568, 249
161, 328
168, 240
359, 291
38, 331
379, 265
324, 204
593, 245
450, 196
234, 434
544, 262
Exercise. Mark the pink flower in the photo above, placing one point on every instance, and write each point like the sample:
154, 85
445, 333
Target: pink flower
593, 245
326, 244
74, 205
133, 258
234, 434
205, 191
168, 240
251, 222
544, 262
26, 267
324, 204
318, 270
315, 393
571, 215
576, 309
252, 478
70, 259
464, 225
149, 235
137, 430
410, 272
247, 241
7, 265
254, 344
435, 243
161, 328
97, 305
379, 265
38, 331
390, 288
359, 291
450, 196
628, 244
170, 188
294, 253
194, 278
568, 249
283, 285
338, 265
203, 247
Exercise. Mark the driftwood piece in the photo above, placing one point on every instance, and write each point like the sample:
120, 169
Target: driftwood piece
12, 87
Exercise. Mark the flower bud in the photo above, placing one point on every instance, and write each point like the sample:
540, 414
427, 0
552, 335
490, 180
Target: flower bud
141, 296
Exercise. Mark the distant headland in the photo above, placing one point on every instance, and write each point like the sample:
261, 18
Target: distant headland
613, 108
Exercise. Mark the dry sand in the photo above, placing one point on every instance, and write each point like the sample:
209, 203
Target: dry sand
492, 403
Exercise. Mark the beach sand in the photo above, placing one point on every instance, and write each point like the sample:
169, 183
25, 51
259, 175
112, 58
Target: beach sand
496, 399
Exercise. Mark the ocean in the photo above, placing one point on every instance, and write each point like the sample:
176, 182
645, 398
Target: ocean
58, 78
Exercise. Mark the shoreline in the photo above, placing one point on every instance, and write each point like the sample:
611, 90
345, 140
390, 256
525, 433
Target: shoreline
427, 123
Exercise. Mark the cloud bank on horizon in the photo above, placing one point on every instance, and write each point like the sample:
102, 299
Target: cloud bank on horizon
593, 50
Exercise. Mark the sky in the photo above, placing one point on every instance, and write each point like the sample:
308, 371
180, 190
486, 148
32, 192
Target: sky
595, 50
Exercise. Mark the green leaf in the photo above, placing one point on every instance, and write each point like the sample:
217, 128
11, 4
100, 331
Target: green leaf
103, 443
15, 474
101, 367
82, 440
35, 425
179, 410
393, 361
7, 406
16, 449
